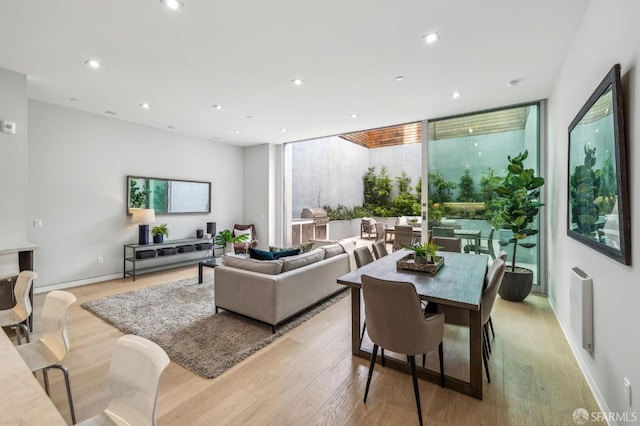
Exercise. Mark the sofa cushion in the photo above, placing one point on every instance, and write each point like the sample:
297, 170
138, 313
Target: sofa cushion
260, 254
285, 253
332, 250
270, 267
294, 262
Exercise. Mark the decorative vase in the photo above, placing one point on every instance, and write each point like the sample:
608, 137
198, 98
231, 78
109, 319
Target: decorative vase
230, 249
158, 239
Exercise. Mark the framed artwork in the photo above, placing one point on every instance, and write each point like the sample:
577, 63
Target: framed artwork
598, 209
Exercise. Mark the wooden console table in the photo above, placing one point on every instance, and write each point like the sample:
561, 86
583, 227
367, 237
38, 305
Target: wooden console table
25, 261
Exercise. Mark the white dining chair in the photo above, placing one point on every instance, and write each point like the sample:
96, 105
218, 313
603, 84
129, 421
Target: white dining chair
53, 345
134, 380
16, 316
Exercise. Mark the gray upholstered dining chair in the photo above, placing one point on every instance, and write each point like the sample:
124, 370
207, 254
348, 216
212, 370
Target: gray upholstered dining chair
447, 244
403, 237
397, 323
455, 316
363, 256
379, 249
502, 255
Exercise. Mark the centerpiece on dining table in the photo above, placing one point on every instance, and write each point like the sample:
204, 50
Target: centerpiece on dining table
423, 258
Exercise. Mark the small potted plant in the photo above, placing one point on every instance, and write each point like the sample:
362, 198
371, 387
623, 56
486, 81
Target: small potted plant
226, 239
159, 232
425, 253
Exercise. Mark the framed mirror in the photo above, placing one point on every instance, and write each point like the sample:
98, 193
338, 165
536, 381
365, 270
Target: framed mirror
168, 196
598, 209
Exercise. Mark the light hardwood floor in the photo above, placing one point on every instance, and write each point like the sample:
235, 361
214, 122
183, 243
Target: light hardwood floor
309, 376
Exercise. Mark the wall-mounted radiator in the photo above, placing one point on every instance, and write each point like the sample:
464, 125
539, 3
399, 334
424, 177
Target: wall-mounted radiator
581, 295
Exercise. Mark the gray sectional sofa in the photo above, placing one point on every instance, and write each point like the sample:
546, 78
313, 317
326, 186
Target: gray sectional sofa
274, 290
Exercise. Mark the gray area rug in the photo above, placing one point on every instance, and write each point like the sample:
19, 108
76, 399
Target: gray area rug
180, 317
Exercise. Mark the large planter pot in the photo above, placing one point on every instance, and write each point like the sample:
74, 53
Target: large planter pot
516, 286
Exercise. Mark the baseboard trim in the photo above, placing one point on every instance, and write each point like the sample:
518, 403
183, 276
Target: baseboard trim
77, 283
577, 353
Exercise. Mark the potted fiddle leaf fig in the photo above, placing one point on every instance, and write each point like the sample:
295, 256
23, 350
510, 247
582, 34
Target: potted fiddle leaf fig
518, 196
159, 232
225, 238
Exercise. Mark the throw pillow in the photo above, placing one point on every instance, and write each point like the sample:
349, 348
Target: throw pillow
304, 248
284, 253
237, 232
260, 254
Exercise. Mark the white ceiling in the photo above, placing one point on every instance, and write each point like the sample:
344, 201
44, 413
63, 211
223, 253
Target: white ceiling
243, 55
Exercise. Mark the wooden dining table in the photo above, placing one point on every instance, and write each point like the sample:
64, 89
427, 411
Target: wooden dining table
458, 283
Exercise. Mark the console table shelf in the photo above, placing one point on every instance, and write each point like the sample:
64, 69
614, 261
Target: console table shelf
132, 265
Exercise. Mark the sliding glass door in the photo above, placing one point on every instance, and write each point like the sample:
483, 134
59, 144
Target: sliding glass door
467, 157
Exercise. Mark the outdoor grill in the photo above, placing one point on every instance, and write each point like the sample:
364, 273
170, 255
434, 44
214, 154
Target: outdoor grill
318, 215
314, 224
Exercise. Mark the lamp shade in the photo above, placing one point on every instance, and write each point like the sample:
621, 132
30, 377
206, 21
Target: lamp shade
143, 215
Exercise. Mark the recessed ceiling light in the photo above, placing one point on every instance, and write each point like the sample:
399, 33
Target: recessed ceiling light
354, 115
283, 130
513, 83
297, 82
399, 78
171, 127
73, 99
249, 116
216, 106
145, 105
431, 38
110, 112
456, 94
470, 131
172, 4
237, 131
93, 63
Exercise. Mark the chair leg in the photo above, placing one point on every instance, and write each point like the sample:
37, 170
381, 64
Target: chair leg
441, 356
485, 360
486, 335
382, 357
412, 361
491, 325
374, 354
65, 372
424, 360
45, 374
18, 337
26, 332
364, 328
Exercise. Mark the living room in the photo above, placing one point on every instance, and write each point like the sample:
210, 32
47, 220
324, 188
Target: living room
67, 167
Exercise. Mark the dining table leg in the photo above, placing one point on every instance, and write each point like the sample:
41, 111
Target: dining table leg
355, 321
475, 353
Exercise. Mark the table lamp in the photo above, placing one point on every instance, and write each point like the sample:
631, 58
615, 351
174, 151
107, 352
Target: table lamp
143, 217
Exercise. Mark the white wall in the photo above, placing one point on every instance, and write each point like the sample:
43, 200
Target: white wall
78, 163
609, 34
257, 190
327, 171
13, 157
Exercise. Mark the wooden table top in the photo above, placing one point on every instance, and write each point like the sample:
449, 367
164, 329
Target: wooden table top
458, 283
